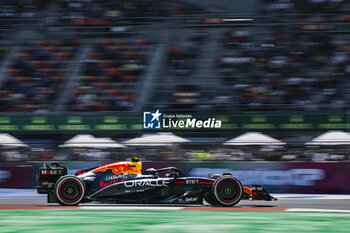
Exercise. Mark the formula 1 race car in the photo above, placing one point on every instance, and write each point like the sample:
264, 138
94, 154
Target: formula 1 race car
126, 183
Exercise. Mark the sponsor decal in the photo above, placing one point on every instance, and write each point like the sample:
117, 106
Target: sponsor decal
146, 183
103, 184
195, 181
158, 120
51, 172
189, 199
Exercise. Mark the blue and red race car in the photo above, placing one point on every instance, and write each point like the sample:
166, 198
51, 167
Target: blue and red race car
126, 183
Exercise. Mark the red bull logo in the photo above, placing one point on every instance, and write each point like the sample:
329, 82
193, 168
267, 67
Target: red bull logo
247, 190
103, 184
118, 168
124, 168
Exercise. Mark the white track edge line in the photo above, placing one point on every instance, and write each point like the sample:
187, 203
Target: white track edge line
128, 208
316, 210
181, 208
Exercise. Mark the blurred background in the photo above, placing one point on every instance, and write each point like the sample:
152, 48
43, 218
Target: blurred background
275, 72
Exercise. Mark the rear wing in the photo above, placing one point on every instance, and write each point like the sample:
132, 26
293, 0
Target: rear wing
48, 176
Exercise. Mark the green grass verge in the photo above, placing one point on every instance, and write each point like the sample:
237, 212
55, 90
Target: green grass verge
96, 221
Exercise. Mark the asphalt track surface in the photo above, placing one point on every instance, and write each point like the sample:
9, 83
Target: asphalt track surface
281, 203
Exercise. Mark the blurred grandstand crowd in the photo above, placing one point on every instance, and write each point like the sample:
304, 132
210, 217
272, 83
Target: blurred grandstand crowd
245, 153
115, 56
305, 72
296, 60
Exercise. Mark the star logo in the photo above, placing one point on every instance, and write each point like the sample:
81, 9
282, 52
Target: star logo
151, 120
156, 115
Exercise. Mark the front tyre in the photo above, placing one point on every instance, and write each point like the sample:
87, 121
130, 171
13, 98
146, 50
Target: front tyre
227, 191
69, 190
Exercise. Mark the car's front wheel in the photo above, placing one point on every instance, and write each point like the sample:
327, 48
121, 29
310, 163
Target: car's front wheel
69, 190
227, 191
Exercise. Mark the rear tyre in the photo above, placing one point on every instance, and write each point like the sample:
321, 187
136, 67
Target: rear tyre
227, 191
69, 190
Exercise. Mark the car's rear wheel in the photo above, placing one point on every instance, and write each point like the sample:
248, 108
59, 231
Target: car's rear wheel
227, 191
69, 190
